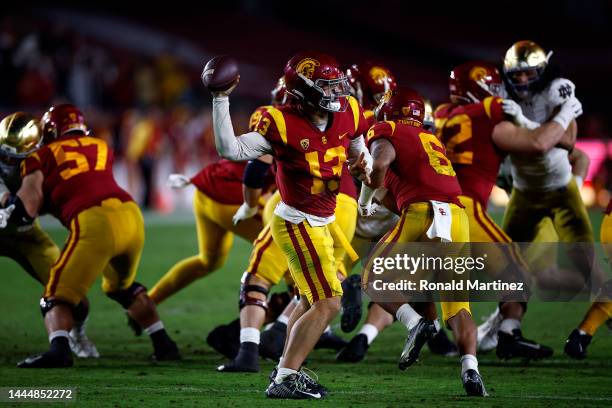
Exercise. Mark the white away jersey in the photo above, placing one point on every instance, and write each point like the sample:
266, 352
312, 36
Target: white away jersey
546, 172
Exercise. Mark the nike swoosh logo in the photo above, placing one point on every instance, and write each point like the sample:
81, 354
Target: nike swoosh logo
342, 135
317, 395
533, 346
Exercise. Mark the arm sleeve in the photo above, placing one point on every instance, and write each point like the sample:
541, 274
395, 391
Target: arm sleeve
254, 175
357, 147
244, 147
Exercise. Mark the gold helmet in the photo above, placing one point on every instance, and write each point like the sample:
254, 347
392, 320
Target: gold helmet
525, 57
428, 119
20, 135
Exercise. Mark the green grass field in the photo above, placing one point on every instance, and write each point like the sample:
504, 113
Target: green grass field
125, 377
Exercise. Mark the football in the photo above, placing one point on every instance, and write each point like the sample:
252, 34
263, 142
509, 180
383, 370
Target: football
220, 73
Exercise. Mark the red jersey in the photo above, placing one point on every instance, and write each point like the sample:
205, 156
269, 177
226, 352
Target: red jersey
221, 181
420, 172
466, 132
309, 162
78, 174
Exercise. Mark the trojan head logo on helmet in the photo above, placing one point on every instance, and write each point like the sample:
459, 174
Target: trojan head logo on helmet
307, 67
524, 66
315, 79
60, 120
20, 135
473, 81
403, 105
369, 82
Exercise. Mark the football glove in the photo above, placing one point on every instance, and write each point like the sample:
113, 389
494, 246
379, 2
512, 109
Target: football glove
5, 214
513, 109
244, 213
560, 91
366, 206
178, 181
570, 110
368, 209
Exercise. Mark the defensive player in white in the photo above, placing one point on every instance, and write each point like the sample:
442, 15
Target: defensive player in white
544, 186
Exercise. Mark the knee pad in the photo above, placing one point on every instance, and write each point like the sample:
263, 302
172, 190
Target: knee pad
81, 311
126, 297
48, 304
246, 300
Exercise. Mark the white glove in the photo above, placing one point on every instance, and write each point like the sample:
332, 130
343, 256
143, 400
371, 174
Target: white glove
513, 109
178, 181
570, 110
244, 213
368, 209
5, 214
560, 91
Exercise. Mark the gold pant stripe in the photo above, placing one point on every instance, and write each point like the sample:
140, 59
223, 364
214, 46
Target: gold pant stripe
261, 244
314, 256
302, 260
485, 222
56, 270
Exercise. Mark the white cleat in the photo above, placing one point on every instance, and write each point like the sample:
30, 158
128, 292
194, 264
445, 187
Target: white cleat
487, 331
80, 344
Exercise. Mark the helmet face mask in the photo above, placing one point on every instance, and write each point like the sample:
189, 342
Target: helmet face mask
523, 81
333, 94
524, 66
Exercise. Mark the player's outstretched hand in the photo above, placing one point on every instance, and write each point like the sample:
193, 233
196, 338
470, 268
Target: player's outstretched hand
244, 213
5, 214
178, 181
359, 169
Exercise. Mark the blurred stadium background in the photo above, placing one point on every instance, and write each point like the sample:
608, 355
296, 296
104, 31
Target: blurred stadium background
136, 71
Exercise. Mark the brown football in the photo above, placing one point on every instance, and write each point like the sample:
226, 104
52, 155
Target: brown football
220, 73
